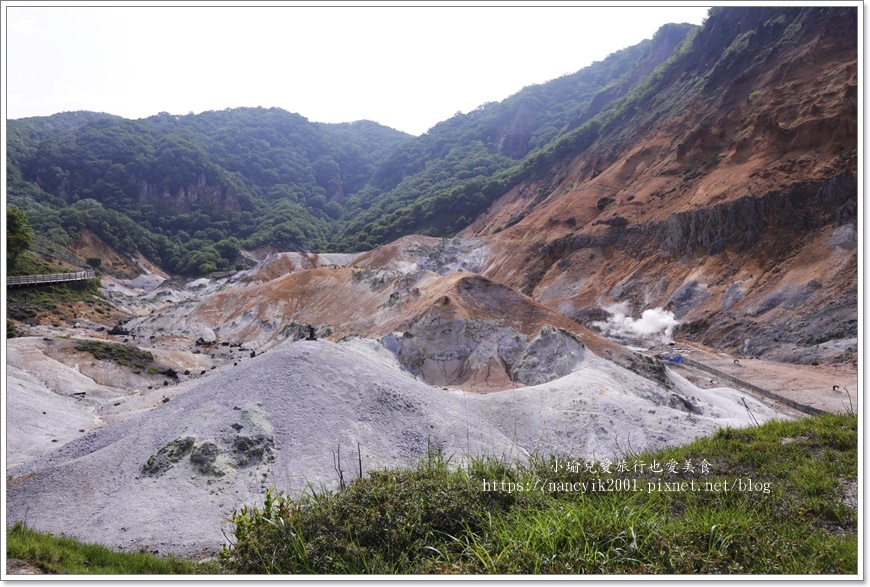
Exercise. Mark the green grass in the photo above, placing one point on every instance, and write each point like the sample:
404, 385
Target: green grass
125, 355
122, 354
27, 304
29, 264
46, 246
63, 555
438, 519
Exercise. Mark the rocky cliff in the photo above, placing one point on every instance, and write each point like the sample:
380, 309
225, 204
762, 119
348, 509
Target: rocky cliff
723, 186
200, 194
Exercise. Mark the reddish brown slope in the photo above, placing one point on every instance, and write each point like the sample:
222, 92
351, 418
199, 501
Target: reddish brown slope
736, 175
458, 329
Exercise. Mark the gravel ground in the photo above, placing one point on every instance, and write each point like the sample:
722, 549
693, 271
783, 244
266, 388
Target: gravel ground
166, 479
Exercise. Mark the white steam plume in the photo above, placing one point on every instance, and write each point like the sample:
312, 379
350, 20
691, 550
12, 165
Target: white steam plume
653, 323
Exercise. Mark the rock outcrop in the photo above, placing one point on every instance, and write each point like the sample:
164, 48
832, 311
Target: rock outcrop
169, 477
725, 184
211, 197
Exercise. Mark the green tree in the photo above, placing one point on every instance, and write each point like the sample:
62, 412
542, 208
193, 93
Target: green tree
228, 248
18, 235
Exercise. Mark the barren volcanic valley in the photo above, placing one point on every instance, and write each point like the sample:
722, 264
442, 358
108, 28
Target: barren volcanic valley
678, 253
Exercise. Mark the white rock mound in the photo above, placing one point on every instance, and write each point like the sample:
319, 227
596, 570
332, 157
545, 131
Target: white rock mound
168, 479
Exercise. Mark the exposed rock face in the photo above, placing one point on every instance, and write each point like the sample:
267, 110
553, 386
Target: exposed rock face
514, 138
446, 351
790, 250
87, 244
200, 194
252, 450
742, 223
459, 352
203, 459
553, 354
167, 456
441, 256
451, 328
723, 193
335, 191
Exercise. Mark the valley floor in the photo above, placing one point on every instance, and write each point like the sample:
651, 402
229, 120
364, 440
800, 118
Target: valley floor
811, 385
115, 451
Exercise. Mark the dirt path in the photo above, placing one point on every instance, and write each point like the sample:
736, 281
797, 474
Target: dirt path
811, 385
15, 566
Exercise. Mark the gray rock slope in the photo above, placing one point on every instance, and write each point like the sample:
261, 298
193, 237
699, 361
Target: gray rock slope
168, 479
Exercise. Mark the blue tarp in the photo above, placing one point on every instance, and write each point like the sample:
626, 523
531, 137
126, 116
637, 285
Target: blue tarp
678, 359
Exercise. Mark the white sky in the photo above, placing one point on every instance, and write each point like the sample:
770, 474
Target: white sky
404, 67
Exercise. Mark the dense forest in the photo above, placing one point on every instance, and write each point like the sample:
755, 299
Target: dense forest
190, 192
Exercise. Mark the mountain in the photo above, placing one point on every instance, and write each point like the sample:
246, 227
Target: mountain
186, 191
710, 170
724, 187
180, 186
695, 200
437, 183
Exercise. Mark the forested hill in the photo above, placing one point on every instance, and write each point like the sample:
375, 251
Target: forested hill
438, 183
190, 191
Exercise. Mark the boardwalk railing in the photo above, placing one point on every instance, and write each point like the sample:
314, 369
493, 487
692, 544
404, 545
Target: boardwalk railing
48, 278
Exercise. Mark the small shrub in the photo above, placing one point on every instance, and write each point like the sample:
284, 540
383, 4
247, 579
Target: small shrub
125, 355
717, 159
692, 174
438, 519
381, 524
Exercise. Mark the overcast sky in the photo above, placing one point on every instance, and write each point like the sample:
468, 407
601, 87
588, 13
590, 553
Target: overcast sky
407, 68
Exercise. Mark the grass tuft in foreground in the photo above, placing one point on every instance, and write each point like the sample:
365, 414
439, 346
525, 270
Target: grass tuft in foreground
68, 556
798, 518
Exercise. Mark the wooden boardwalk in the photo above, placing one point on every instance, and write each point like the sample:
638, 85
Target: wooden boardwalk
48, 278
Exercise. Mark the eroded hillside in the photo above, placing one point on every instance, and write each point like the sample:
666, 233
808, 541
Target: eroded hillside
719, 195
725, 190
303, 378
